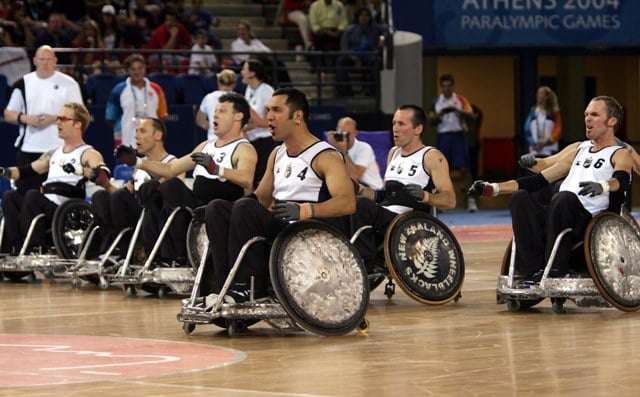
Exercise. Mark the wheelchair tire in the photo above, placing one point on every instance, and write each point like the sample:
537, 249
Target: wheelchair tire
71, 224
612, 249
319, 278
424, 258
522, 304
196, 238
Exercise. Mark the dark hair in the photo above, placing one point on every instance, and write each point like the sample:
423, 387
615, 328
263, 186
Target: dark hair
296, 100
419, 116
158, 125
132, 59
356, 19
257, 67
447, 77
614, 109
240, 105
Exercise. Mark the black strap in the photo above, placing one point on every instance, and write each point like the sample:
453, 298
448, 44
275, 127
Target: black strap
64, 189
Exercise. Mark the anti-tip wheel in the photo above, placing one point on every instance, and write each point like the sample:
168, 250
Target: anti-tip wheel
363, 327
513, 305
103, 283
188, 328
557, 305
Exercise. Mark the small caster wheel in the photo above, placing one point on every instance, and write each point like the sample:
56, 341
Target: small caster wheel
557, 305
513, 305
49, 275
162, 292
103, 283
130, 290
363, 327
232, 329
188, 328
390, 289
31, 278
76, 283
457, 297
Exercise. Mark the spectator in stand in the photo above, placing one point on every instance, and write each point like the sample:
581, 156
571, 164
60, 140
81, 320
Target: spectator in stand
73, 13
90, 38
295, 11
204, 116
111, 36
358, 155
202, 63
258, 93
363, 36
23, 27
200, 19
328, 20
53, 36
132, 100
245, 42
171, 35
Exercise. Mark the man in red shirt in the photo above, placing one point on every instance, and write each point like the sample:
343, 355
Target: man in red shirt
171, 35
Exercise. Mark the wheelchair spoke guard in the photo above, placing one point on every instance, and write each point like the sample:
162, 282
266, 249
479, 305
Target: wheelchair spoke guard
424, 258
70, 227
612, 250
196, 237
319, 278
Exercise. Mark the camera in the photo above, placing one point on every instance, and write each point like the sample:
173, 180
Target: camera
340, 135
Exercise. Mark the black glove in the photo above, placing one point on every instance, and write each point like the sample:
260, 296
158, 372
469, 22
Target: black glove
100, 175
126, 154
286, 211
5, 172
415, 191
590, 188
482, 188
527, 160
205, 160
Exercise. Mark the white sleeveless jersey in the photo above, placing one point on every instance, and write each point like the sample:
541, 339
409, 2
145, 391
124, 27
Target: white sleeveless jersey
406, 170
221, 155
140, 176
57, 174
590, 167
295, 179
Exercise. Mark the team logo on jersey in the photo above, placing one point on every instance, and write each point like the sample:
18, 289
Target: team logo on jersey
287, 171
587, 162
399, 169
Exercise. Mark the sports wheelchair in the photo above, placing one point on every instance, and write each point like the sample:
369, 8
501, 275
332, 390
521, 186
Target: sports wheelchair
610, 252
318, 281
422, 256
70, 232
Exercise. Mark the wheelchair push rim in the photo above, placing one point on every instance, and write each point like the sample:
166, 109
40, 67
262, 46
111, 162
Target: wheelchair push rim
319, 278
612, 251
424, 258
70, 226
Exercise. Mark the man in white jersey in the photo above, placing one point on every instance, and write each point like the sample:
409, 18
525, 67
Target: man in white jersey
305, 178
222, 168
120, 209
35, 101
68, 167
417, 177
358, 155
596, 177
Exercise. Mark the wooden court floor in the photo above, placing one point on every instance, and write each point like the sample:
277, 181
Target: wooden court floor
470, 348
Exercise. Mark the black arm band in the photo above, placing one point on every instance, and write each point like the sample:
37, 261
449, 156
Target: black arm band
18, 119
532, 183
623, 178
26, 171
379, 196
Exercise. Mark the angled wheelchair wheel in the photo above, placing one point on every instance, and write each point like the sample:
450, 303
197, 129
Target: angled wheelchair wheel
70, 227
319, 278
612, 249
504, 271
196, 237
424, 258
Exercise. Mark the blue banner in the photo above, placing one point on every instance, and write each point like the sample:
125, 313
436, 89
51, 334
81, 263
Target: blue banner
521, 23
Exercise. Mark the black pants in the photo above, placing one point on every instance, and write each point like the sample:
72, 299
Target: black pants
368, 213
32, 182
174, 193
536, 226
264, 147
19, 211
115, 212
230, 225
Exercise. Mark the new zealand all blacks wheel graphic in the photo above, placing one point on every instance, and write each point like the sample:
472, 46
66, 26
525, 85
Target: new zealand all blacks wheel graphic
319, 278
424, 258
613, 259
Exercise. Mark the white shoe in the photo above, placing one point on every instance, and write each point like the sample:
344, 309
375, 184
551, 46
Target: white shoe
472, 206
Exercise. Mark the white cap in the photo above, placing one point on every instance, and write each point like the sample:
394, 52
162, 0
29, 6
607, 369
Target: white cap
109, 9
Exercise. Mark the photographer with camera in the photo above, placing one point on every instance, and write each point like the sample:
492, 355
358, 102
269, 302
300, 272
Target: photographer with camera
358, 156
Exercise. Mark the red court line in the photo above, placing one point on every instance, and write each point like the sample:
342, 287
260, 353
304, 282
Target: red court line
468, 234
